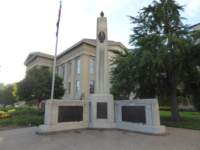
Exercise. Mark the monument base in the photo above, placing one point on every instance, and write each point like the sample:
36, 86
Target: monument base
157, 130
104, 113
57, 118
141, 115
46, 129
101, 111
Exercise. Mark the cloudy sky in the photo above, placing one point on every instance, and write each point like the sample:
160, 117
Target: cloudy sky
30, 25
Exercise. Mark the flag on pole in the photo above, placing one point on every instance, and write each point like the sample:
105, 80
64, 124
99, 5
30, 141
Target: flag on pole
58, 22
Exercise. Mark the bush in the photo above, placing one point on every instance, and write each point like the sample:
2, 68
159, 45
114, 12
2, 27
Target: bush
26, 111
21, 116
4, 115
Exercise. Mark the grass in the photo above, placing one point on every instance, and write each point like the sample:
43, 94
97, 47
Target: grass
189, 120
23, 116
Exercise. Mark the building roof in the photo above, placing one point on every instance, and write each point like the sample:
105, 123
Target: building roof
195, 25
92, 42
33, 55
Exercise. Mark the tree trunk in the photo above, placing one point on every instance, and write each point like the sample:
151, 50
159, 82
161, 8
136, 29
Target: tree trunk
38, 103
174, 104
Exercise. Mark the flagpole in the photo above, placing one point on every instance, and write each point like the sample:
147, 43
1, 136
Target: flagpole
55, 55
54, 70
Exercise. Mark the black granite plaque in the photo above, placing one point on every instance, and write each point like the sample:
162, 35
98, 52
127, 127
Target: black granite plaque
101, 110
135, 114
70, 113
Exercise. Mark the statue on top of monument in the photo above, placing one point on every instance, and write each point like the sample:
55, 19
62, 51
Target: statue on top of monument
102, 14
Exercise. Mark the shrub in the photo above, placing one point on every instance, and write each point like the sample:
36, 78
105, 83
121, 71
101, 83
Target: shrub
4, 115
26, 111
21, 116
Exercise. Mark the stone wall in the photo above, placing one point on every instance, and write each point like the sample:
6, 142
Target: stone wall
133, 115
146, 118
52, 122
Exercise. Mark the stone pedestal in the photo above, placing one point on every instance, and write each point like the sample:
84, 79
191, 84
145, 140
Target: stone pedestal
151, 115
101, 111
51, 122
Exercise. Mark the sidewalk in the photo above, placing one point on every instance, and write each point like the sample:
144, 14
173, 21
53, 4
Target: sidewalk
26, 139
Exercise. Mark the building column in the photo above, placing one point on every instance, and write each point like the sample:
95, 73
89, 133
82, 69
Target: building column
84, 78
72, 93
65, 81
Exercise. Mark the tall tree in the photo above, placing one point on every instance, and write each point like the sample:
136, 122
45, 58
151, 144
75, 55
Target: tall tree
122, 76
165, 58
163, 43
37, 85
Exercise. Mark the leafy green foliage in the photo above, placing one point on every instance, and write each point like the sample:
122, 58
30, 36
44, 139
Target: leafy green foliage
166, 52
37, 85
22, 116
6, 95
122, 79
192, 87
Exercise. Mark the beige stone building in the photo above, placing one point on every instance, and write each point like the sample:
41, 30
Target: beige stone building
195, 26
76, 65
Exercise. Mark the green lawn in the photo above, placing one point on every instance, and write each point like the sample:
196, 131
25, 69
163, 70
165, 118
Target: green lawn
189, 120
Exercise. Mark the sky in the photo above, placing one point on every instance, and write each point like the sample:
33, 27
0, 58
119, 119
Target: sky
30, 25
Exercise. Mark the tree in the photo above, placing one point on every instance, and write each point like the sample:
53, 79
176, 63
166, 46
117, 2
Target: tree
122, 77
160, 32
1, 86
6, 95
164, 52
37, 85
128, 76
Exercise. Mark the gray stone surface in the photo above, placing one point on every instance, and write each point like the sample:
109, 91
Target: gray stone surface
152, 116
51, 116
26, 139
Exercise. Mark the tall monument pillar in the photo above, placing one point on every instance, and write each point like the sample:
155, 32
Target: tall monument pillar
101, 103
102, 56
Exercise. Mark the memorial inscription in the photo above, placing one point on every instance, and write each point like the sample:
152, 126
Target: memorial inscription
135, 114
101, 110
70, 113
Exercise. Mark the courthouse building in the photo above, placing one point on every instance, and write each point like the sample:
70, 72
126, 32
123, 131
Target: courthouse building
76, 65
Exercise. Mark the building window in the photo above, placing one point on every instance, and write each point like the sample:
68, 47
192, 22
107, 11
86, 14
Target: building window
61, 71
78, 66
92, 84
92, 66
78, 87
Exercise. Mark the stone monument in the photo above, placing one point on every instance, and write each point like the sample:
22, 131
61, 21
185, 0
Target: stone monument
101, 103
101, 111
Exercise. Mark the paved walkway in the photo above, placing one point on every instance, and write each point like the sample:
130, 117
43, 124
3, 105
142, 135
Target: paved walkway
26, 139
